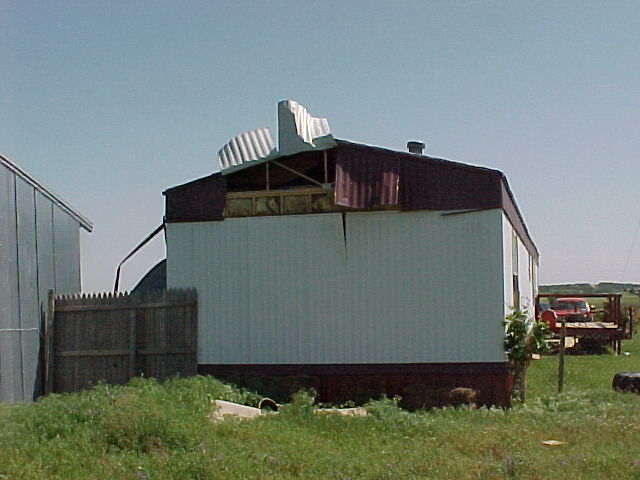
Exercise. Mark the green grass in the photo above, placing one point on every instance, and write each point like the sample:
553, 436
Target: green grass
150, 431
627, 300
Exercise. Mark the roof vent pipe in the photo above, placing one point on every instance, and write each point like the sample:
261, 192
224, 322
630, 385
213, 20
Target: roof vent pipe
415, 147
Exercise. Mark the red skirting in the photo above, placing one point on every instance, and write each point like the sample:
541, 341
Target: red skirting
342, 382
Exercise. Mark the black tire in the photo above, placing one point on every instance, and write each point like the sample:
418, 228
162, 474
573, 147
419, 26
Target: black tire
626, 382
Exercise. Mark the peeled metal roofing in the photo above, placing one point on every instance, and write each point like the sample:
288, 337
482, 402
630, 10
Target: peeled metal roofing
248, 147
298, 131
81, 219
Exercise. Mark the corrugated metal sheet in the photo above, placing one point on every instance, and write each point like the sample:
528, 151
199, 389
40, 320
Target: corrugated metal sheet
53, 197
31, 262
365, 179
10, 349
247, 147
28, 286
382, 287
44, 231
298, 130
66, 246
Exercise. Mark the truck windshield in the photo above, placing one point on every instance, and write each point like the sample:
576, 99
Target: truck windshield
571, 305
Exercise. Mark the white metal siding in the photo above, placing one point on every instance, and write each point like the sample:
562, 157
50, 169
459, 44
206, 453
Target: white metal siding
405, 287
431, 283
527, 296
526, 283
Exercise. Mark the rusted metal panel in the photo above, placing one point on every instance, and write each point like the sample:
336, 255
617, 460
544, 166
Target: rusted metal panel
365, 179
417, 182
421, 183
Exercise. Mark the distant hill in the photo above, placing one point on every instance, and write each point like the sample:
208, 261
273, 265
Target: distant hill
602, 287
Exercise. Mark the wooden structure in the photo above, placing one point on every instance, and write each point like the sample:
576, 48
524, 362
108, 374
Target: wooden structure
610, 331
113, 338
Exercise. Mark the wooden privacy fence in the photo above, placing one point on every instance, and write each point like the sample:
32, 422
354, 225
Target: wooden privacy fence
114, 337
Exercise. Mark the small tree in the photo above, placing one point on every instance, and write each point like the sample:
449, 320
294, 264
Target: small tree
521, 342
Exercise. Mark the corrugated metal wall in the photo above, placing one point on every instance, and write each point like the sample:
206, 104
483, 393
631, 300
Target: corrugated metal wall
10, 358
380, 287
39, 249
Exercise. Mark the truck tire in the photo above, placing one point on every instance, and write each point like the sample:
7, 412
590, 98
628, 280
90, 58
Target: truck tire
627, 382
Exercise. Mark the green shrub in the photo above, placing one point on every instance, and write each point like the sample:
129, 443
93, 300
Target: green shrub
520, 342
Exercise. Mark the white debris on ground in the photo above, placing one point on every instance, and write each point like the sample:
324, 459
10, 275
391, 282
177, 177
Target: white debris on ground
222, 409
351, 412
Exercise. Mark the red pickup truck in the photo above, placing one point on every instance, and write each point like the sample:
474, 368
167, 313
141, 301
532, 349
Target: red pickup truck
575, 309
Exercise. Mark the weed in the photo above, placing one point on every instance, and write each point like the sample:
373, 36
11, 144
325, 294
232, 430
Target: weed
161, 431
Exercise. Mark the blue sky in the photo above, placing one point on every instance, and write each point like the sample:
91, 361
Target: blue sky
110, 103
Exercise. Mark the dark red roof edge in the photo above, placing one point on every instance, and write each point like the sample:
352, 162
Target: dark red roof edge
508, 202
191, 183
449, 163
188, 196
518, 221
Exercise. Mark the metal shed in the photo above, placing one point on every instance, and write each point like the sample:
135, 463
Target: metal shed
39, 250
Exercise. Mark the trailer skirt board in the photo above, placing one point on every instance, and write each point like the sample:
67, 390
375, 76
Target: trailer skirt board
342, 382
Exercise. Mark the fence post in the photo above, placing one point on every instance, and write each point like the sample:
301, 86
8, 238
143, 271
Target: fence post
132, 343
49, 342
563, 333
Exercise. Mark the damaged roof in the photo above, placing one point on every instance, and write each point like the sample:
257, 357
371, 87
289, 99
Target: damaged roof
364, 176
